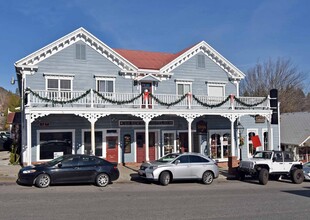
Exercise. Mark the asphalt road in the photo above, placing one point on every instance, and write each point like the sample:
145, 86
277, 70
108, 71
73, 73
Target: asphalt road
221, 200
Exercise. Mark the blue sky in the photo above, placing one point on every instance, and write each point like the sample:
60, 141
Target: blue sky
243, 31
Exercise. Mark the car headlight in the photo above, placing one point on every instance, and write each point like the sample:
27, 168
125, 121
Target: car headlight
29, 171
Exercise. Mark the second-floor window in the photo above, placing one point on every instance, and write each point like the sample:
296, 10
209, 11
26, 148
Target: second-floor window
183, 87
59, 88
105, 85
216, 89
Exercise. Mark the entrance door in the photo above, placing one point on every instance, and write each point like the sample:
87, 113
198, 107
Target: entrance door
183, 141
146, 86
112, 148
140, 142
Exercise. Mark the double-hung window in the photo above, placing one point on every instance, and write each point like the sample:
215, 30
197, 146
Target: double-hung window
183, 87
105, 85
59, 86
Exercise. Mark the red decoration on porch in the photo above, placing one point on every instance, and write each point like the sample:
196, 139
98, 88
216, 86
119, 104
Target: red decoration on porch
255, 141
146, 95
189, 96
232, 96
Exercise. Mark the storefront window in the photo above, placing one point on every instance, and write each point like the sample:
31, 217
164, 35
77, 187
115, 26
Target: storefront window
55, 144
98, 143
168, 143
215, 146
266, 140
226, 145
251, 147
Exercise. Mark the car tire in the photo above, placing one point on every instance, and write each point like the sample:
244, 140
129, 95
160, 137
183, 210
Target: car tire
43, 181
164, 178
207, 178
297, 176
263, 176
102, 180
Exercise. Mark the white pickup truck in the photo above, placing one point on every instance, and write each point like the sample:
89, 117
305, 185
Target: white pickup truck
271, 164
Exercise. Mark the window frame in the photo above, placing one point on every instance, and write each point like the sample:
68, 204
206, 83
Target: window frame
218, 84
72, 131
183, 82
105, 78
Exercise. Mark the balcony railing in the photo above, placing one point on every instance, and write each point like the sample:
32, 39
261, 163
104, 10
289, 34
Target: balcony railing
94, 99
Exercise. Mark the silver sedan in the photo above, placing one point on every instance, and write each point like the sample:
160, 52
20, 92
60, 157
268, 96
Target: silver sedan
186, 166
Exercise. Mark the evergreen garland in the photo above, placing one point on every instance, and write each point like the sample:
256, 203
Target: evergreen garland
117, 102
211, 106
151, 95
168, 104
250, 105
57, 101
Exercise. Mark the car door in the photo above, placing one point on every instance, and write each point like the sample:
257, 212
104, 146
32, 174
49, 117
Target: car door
181, 168
277, 162
87, 168
66, 171
198, 166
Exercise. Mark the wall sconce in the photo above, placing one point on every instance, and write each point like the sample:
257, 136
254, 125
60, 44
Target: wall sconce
13, 80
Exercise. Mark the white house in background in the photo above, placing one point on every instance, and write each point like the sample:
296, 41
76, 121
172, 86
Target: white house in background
295, 134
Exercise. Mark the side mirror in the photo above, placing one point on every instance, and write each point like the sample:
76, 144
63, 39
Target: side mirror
273, 159
177, 162
59, 165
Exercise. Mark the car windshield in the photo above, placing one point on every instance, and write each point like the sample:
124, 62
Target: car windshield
168, 158
55, 161
263, 155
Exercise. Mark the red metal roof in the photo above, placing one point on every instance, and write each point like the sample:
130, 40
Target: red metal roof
145, 59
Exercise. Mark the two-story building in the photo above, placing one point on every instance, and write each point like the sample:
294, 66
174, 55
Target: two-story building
81, 96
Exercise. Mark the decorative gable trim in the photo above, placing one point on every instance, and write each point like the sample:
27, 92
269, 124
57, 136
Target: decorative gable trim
216, 57
78, 35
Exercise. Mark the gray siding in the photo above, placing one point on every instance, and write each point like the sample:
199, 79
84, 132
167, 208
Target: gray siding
64, 62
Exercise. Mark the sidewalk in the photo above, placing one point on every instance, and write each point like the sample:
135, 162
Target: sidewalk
129, 173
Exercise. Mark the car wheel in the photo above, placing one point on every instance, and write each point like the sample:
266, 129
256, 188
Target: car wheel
263, 176
43, 181
102, 179
164, 178
207, 177
297, 176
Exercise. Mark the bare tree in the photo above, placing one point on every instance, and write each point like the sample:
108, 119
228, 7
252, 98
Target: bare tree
280, 74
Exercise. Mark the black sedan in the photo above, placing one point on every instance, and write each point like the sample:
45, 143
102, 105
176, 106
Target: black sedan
70, 169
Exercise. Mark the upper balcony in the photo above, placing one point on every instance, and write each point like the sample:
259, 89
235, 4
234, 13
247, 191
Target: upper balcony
94, 99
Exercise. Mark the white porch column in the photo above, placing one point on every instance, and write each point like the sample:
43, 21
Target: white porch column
190, 118
190, 121
147, 157
147, 117
232, 134
270, 145
92, 136
29, 136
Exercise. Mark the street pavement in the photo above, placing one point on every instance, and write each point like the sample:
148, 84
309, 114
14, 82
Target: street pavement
129, 172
